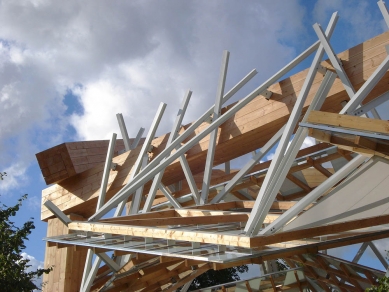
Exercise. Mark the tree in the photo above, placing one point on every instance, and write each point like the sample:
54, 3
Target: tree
13, 267
212, 277
383, 286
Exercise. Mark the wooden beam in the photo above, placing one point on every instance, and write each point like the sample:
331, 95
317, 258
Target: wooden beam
234, 240
298, 182
350, 122
215, 219
319, 167
68, 159
320, 230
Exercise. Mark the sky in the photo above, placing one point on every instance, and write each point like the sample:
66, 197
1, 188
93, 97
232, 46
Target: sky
67, 68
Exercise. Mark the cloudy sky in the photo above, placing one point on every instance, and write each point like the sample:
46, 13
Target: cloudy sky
67, 68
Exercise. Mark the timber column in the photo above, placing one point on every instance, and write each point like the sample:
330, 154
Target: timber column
67, 263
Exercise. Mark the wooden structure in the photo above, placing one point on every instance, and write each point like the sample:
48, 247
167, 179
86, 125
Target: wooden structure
195, 218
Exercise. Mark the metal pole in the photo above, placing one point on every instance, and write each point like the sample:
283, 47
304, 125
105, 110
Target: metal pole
313, 195
143, 152
249, 165
123, 130
173, 134
153, 168
369, 84
384, 11
213, 136
334, 60
264, 197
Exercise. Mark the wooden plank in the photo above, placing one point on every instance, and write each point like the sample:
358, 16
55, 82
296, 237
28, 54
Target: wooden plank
213, 219
347, 121
234, 240
319, 167
206, 237
298, 182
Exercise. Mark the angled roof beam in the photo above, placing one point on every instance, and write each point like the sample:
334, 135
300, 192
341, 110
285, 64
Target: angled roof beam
123, 130
213, 137
248, 166
143, 152
173, 134
282, 161
384, 11
334, 60
313, 195
369, 84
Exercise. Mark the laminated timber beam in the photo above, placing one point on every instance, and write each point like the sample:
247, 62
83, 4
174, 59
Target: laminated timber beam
350, 122
228, 239
247, 130
68, 159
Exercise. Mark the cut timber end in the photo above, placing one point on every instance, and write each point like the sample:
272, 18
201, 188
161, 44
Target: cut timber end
68, 159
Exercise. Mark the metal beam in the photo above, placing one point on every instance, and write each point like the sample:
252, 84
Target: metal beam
384, 11
87, 267
360, 252
277, 172
246, 168
123, 130
108, 261
334, 60
169, 196
106, 171
153, 168
313, 195
143, 152
190, 179
375, 114
57, 212
371, 105
369, 84
136, 199
212, 139
91, 276
378, 254
137, 139
173, 134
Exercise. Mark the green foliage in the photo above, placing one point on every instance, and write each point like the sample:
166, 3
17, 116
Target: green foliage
2, 175
212, 277
13, 274
383, 286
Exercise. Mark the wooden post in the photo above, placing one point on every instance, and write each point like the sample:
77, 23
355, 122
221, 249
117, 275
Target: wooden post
67, 263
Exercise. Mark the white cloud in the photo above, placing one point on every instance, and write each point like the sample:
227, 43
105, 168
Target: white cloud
360, 21
125, 57
16, 175
34, 265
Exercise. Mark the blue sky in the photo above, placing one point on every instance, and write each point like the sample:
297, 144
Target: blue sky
67, 69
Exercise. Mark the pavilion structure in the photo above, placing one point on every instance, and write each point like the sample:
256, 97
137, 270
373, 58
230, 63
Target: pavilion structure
152, 214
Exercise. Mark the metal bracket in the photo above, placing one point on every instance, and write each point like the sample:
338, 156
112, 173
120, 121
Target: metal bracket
321, 69
209, 119
150, 149
113, 165
267, 94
